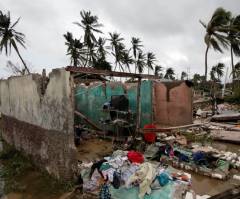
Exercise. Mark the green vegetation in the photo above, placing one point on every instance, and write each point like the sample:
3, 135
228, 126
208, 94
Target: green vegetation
184, 75
15, 166
234, 37
169, 74
10, 37
94, 52
198, 138
216, 32
235, 98
20, 175
222, 31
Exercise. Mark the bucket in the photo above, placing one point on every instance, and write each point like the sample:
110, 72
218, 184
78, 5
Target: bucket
149, 136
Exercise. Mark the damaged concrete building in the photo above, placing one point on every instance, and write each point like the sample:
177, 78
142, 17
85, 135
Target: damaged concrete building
38, 116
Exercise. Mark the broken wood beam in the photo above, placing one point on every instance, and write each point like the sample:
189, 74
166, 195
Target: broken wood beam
173, 128
233, 193
87, 120
92, 71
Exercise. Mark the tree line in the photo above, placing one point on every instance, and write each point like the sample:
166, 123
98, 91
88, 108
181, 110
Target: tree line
90, 51
222, 32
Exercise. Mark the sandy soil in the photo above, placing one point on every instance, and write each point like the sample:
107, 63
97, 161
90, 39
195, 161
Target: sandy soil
93, 149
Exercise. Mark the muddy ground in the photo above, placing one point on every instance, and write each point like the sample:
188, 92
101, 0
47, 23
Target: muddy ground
97, 148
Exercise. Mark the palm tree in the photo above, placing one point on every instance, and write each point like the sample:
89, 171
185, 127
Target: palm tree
216, 31
10, 37
141, 61
136, 47
127, 59
15, 69
89, 24
212, 74
75, 49
157, 71
117, 47
237, 76
151, 58
183, 75
101, 50
234, 38
237, 70
169, 74
218, 70
197, 79
102, 64
92, 56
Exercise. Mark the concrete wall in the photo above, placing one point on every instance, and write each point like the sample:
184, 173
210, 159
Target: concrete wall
40, 121
172, 103
90, 99
163, 103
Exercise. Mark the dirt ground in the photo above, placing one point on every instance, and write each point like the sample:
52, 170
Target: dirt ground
93, 149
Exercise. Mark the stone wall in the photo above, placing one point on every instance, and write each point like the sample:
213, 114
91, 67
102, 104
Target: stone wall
172, 103
38, 119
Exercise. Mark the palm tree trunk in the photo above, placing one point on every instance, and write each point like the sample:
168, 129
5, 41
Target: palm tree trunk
87, 58
233, 71
206, 66
115, 66
25, 66
128, 68
75, 62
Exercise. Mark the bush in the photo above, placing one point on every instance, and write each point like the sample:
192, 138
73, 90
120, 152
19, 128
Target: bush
16, 166
235, 98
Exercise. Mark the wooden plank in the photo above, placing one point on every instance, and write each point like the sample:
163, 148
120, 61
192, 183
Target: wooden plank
84, 70
87, 120
173, 128
226, 117
226, 136
233, 193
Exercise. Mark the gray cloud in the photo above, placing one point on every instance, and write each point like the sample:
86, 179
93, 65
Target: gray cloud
168, 28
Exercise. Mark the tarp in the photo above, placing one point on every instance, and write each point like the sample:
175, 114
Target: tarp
165, 192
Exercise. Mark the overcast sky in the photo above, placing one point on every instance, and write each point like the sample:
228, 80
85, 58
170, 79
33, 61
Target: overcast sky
170, 29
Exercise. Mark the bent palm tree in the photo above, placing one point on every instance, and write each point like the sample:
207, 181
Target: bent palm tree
196, 80
169, 74
237, 70
234, 39
157, 71
216, 31
217, 70
15, 69
75, 49
151, 58
212, 74
101, 51
183, 75
136, 47
89, 24
141, 61
117, 47
10, 37
127, 59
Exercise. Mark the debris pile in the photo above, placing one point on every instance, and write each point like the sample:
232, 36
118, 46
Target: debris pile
127, 174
